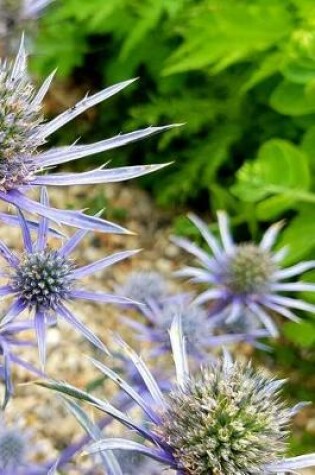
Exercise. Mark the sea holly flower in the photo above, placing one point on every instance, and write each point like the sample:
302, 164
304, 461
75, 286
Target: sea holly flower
202, 334
145, 286
9, 341
247, 278
23, 132
43, 280
16, 449
229, 419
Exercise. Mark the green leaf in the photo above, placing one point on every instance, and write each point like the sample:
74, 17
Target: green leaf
293, 99
219, 34
300, 71
303, 334
271, 208
308, 145
281, 168
299, 235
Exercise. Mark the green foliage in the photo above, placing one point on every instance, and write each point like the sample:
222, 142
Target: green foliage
240, 73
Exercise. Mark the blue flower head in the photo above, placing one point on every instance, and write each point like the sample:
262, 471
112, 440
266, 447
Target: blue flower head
44, 280
228, 419
245, 280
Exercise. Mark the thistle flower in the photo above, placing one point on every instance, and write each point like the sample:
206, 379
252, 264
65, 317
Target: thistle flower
23, 132
145, 286
245, 279
43, 280
228, 420
201, 332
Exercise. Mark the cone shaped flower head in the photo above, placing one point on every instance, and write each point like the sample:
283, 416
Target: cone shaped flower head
245, 280
43, 280
229, 419
23, 132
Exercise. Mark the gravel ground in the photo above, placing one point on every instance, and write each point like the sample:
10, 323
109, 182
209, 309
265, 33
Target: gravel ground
53, 428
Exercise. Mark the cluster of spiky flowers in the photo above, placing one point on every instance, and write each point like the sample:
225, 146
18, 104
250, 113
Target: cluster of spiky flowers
229, 419
245, 279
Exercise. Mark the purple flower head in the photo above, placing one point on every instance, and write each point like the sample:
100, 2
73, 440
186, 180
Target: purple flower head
23, 132
201, 332
145, 286
245, 279
230, 419
9, 341
44, 280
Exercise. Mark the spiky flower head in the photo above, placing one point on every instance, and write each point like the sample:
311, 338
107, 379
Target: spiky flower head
245, 279
44, 280
23, 132
228, 420
13, 448
145, 286
248, 270
18, 449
